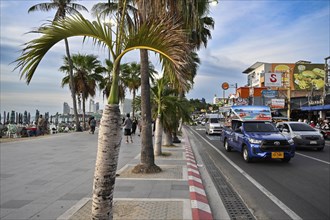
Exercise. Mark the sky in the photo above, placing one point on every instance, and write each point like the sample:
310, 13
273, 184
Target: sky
246, 32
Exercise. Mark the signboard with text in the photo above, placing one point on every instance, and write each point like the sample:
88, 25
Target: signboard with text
278, 103
273, 79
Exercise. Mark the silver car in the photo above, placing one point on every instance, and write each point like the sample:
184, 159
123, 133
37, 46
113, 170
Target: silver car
303, 135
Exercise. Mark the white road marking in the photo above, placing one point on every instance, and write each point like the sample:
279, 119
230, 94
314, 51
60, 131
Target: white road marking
278, 202
313, 158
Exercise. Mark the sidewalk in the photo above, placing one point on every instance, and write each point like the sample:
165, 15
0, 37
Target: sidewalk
175, 193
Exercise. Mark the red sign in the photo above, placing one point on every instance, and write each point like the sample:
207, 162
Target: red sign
225, 86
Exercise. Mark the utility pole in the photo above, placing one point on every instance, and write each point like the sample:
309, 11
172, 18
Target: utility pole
286, 83
326, 88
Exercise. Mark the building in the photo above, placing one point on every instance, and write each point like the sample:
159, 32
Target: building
126, 106
91, 106
293, 90
66, 108
97, 107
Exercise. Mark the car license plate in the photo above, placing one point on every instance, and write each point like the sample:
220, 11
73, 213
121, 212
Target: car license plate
277, 155
313, 142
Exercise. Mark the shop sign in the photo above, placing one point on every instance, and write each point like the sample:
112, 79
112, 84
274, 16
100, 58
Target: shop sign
269, 93
278, 103
273, 79
316, 102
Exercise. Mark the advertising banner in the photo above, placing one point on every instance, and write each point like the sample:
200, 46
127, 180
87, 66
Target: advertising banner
251, 113
308, 76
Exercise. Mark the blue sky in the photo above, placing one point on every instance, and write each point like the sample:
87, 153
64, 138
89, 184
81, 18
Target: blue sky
246, 31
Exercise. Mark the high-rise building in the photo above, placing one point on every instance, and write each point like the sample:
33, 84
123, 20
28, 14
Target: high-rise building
91, 105
97, 107
66, 108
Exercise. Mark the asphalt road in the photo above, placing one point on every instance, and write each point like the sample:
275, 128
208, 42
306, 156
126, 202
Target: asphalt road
272, 189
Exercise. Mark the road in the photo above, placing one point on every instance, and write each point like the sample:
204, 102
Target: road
269, 189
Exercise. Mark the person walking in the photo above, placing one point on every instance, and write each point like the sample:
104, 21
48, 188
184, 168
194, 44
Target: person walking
128, 128
40, 124
92, 125
134, 125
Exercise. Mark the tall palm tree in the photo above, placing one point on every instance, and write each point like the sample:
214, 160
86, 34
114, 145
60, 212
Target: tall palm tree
156, 35
63, 7
132, 80
87, 76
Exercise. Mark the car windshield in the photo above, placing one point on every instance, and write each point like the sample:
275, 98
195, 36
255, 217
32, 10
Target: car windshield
301, 127
214, 120
259, 127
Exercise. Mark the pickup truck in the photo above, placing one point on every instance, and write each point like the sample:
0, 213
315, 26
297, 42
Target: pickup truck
254, 135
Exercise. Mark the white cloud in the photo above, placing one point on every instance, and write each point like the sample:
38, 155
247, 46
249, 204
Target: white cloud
270, 31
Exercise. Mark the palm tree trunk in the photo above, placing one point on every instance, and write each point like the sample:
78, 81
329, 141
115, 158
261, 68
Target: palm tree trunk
84, 111
133, 106
73, 89
147, 162
158, 137
109, 141
168, 139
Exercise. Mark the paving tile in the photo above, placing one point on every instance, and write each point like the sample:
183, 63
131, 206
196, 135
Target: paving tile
73, 196
15, 204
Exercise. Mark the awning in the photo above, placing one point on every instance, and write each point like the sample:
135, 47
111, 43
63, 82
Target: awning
315, 108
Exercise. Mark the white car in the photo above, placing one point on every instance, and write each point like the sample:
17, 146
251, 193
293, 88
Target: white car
303, 135
214, 124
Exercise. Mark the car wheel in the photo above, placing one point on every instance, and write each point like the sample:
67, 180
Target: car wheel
320, 149
226, 145
286, 159
246, 155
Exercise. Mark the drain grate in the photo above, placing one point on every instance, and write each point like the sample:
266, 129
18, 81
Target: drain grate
234, 205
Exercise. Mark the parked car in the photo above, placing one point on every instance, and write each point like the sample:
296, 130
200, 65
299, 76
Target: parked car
302, 134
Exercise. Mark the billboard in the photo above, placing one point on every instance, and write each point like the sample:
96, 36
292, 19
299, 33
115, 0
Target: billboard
308, 76
301, 76
251, 113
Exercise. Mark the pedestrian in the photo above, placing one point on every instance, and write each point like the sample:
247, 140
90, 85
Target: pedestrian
40, 124
312, 124
128, 128
92, 125
134, 125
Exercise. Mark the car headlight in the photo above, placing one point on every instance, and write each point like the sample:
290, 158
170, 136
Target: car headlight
290, 141
321, 137
255, 141
295, 135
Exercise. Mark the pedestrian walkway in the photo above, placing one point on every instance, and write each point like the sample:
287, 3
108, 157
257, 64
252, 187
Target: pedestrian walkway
175, 193
56, 181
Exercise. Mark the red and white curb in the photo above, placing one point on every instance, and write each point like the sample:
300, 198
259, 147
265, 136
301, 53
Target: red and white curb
199, 203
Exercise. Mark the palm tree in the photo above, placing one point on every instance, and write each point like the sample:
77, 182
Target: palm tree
162, 99
158, 35
87, 76
63, 7
131, 77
